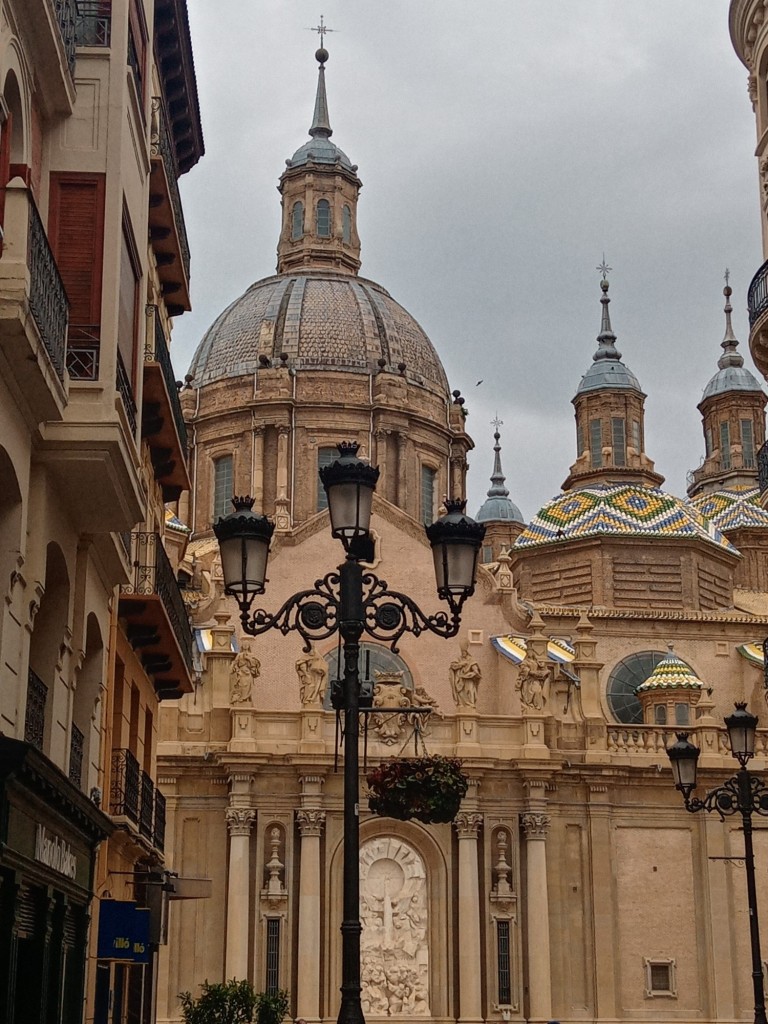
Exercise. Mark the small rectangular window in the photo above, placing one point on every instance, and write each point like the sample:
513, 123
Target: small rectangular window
682, 714
325, 457
618, 431
596, 443
660, 977
747, 444
273, 955
660, 714
222, 486
428, 476
487, 553
503, 963
725, 446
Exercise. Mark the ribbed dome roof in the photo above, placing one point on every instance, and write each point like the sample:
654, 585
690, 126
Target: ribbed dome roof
321, 320
320, 151
671, 673
732, 375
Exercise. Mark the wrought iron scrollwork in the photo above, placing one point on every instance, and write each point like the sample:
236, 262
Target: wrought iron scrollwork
734, 797
314, 614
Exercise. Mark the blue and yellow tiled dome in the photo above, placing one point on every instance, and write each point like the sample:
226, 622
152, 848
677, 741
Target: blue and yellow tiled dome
671, 673
620, 510
733, 509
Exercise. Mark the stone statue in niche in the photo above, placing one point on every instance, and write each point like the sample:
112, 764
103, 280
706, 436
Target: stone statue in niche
394, 698
246, 669
465, 678
533, 679
312, 670
394, 945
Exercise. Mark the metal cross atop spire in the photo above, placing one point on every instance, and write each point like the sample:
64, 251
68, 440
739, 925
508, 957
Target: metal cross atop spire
497, 422
321, 30
727, 276
604, 268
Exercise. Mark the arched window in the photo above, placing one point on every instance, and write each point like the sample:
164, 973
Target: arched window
222, 486
325, 457
346, 225
378, 664
624, 681
428, 478
619, 438
725, 445
323, 219
297, 221
596, 443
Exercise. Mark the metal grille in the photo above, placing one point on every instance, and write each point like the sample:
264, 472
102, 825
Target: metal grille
159, 353
147, 813
159, 834
34, 724
757, 296
93, 26
153, 574
66, 16
427, 494
503, 958
124, 790
47, 297
160, 145
125, 391
273, 955
76, 756
83, 362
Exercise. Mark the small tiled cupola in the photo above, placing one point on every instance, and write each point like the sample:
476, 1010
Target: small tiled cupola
670, 693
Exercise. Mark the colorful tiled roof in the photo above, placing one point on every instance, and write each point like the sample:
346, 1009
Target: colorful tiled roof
619, 510
671, 674
733, 508
173, 522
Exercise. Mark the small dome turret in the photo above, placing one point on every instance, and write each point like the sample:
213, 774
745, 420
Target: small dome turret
498, 506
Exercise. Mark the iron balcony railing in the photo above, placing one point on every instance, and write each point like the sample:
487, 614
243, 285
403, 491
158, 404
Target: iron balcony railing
762, 468
93, 26
124, 790
66, 16
158, 840
125, 390
160, 145
757, 296
47, 298
83, 345
34, 723
147, 812
157, 351
76, 756
153, 574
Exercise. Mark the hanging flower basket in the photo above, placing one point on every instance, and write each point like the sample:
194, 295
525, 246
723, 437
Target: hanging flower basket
429, 789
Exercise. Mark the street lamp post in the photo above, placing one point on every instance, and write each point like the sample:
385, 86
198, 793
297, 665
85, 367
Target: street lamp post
743, 794
351, 601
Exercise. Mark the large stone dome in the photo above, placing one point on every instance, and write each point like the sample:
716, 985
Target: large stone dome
318, 320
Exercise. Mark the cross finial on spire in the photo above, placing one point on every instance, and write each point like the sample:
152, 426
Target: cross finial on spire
321, 30
497, 422
727, 276
604, 268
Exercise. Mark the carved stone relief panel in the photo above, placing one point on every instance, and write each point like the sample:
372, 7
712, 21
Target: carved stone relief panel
394, 944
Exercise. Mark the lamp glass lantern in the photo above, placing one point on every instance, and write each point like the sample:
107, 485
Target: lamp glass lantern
349, 484
244, 538
456, 540
741, 726
684, 756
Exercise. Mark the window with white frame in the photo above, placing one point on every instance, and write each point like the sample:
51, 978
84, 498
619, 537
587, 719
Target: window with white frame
660, 977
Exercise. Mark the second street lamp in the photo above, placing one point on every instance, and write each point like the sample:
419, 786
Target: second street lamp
744, 794
351, 601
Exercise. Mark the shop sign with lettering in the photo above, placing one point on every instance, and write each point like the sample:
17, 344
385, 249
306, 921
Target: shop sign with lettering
123, 932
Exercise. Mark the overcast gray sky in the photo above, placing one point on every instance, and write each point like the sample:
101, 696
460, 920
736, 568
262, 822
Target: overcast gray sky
503, 146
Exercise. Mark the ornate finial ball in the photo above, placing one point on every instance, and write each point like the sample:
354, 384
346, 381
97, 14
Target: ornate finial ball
321, 55
604, 284
727, 291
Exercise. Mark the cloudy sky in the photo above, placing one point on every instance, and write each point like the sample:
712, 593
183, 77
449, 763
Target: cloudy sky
503, 145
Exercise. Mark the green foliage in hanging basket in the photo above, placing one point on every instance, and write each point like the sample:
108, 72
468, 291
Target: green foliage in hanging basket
429, 789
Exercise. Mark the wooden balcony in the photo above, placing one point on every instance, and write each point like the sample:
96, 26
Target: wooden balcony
162, 422
167, 230
155, 618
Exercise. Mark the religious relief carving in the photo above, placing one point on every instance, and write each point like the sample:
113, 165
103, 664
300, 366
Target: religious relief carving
535, 825
468, 824
389, 693
465, 678
310, 821
394, 944
240, 820
312, 670
246, 668
275, 890
533, 680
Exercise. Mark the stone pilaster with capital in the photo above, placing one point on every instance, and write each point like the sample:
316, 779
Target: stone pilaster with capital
468, 824
535, 824
240, 820
311, 821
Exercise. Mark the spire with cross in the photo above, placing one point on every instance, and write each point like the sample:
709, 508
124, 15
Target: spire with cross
321, 30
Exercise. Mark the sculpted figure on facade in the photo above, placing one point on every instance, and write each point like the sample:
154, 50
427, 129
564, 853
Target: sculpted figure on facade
533, 679
246, 669
465, 678
312, 670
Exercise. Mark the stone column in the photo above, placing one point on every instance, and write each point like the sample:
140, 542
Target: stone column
257, 469
239, 822
470, 988
535, 827
311, 822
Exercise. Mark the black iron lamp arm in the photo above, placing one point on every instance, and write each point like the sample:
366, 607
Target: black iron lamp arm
316, 614
745, 793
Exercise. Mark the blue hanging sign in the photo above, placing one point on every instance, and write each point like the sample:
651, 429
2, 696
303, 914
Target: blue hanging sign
123, 932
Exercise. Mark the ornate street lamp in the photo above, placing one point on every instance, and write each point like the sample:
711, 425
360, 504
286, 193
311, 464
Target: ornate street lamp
350, 601
744, 794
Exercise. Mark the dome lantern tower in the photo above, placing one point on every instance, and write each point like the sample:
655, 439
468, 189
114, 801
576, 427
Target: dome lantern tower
319, 189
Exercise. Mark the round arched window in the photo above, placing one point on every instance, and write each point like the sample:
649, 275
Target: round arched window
624, 681
297, 221
374, 659
323, 219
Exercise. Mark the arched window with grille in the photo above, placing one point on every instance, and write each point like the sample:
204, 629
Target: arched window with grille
297, 221
323, 219
222, 486
325, 457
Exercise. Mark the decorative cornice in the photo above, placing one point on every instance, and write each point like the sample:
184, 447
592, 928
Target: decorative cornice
575, 611
311, 821
535, 825
240, 820
468, 824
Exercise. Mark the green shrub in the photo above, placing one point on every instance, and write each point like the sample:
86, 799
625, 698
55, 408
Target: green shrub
234, 1002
